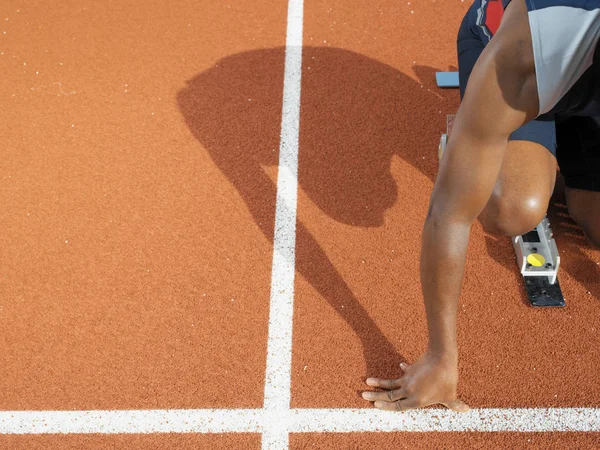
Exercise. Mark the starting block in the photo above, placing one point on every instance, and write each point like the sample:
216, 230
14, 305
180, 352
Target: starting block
447, 79
538, 258
537, 254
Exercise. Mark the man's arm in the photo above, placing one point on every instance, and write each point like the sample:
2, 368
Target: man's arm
501, 96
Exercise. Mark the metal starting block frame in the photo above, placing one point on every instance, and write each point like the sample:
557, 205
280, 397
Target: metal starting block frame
541, 282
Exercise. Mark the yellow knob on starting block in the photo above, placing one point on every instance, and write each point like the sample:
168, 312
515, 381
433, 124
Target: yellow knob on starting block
536, 260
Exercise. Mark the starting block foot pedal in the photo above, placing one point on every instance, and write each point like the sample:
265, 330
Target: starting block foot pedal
539, 260
447, 79
543, 294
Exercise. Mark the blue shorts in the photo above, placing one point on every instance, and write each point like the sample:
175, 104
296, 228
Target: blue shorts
574, 141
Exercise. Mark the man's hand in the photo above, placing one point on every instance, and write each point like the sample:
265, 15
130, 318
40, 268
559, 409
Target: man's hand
429, 381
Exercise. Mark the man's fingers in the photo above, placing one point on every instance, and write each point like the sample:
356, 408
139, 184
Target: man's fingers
394, 390
384, 384
404, 366
458, 406
388, 396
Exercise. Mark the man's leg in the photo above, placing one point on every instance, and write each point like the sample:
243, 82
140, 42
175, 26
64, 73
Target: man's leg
579, 158
523, 189
584, 208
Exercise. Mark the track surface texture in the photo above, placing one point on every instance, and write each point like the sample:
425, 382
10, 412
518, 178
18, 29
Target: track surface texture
138, 204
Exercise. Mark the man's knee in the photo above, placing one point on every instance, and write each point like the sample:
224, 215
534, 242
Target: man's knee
513, 216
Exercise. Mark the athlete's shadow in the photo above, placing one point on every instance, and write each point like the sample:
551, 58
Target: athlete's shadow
356, 114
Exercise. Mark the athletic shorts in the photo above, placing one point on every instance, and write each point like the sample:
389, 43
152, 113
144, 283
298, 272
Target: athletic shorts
574, 141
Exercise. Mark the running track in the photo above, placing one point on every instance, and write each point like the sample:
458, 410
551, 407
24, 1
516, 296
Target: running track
183, 182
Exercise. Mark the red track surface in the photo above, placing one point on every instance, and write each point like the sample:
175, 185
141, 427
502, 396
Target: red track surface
138, 200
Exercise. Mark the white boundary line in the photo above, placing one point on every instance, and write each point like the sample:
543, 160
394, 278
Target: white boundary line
481, 420
298, 421
281, 311
276, 420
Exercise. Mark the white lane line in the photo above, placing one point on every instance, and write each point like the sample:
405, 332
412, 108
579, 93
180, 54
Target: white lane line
298, 421
279, 344
479, 420
133, 421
